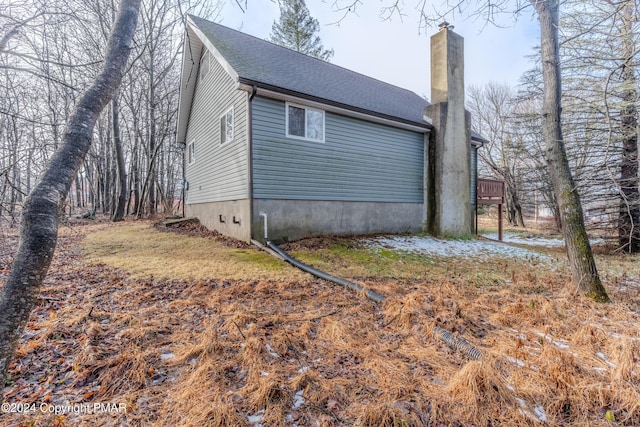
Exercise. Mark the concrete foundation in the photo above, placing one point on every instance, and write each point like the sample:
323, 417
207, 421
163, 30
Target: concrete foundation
296, 219
230, 218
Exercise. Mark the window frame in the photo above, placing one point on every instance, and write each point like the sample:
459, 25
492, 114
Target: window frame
191, 153
305, 108
233, 126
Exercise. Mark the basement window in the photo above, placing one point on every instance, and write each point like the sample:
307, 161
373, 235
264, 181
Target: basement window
191, 153
305, 123
226, 127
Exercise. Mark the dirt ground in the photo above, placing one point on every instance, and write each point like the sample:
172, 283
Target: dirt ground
104, 348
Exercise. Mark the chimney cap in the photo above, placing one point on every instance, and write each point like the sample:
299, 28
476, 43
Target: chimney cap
445, 26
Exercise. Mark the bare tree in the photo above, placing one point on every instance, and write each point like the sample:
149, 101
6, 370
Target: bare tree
629, 225
39, 222
121, 201
492, 109
581, 260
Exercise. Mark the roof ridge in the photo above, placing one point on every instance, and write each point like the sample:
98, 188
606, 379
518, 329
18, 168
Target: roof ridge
303, 54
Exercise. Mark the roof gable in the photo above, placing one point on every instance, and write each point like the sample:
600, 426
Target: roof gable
267, 65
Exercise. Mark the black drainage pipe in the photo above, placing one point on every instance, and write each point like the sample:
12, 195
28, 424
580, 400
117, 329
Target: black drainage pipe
454, 342
372, 295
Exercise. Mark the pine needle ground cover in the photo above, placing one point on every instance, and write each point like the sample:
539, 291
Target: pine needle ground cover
254, 342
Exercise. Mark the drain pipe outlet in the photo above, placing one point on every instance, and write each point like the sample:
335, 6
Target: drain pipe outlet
266, 233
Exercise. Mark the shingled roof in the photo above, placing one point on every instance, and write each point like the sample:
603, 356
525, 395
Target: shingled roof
267, 65
256, 62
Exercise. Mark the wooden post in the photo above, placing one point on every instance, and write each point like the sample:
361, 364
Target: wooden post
500, 222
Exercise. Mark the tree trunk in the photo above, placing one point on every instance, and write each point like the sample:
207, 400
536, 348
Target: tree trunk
629, 221
136, 179
78, 192
582, 263
152, 148
39, 222
118, 213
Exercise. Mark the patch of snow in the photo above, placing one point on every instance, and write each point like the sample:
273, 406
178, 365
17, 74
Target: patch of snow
603, 357
538, 414
425, 245
557, 343
530, 240
264, 374
271, 352
255, 419
533, 240
298, 400
516, 361
303, 369
167, 356
539, 411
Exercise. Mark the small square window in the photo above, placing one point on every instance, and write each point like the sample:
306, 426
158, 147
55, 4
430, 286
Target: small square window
305, 123
226, 127
191, 153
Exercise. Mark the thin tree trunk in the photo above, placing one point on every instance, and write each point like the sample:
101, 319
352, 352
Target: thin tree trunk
39, 222
78, 192
582, 263
118, 214
136, 178
629, 222
152, 138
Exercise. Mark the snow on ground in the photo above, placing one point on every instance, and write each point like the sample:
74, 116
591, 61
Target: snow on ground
533, 240
548, 242
425, 245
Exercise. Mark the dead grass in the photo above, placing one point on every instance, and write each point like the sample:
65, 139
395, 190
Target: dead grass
279, 350
135, 248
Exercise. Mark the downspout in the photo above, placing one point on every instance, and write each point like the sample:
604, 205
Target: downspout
254, 89
184, 178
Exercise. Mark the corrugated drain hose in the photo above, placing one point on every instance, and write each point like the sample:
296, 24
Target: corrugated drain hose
454, 342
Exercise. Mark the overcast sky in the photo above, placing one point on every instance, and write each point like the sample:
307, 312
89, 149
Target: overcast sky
396, 51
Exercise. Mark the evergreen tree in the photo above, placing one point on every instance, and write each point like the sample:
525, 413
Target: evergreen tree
297, 30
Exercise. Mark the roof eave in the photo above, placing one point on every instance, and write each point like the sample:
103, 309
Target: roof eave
413, 125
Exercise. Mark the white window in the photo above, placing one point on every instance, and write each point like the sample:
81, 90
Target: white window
204, 66
191, 153
305, 123
226, 126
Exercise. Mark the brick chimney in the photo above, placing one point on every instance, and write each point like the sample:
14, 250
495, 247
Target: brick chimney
448, 202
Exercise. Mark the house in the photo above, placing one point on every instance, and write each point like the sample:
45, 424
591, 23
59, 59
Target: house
316, 148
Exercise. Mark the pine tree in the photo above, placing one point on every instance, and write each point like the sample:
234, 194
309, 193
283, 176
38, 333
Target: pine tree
297, 30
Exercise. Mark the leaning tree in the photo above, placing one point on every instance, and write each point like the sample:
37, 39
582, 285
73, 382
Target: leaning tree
40, 213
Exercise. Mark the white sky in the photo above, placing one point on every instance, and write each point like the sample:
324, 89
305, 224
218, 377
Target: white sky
395, 51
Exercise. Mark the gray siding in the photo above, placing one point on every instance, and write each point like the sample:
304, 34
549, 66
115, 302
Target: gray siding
359, 161
220, 172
